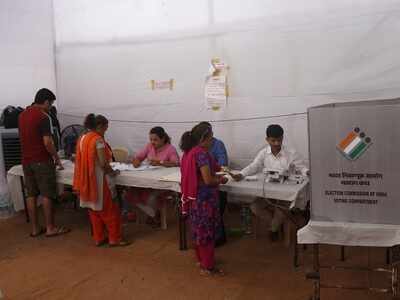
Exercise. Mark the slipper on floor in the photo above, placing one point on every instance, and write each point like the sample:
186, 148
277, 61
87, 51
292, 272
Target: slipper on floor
102, 243
120, 244
59, 231
41, 231
212, 272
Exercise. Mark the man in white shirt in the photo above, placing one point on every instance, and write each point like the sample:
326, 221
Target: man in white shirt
274, 157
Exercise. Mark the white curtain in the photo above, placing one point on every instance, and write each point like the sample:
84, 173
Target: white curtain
284, 57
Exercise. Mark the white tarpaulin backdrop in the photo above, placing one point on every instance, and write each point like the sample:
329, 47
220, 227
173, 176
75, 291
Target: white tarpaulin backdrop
26, 60
284, 57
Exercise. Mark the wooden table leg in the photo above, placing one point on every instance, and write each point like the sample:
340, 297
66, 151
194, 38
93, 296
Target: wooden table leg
342, 254
288, 231
163, 215
181, 228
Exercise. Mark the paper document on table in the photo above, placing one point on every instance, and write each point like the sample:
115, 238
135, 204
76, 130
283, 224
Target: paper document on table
222, 173
121, 166
251, 178
129, 167
174, 177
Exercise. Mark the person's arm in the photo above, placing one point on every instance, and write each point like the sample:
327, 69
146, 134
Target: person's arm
299, 163
173, 159
45, 131
163, 163
203, 163
209, 179
141, 156
253, 168
51, 148
103, 163
169, 164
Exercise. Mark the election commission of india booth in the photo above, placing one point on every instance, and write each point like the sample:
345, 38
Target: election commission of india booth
355, 191
326, 71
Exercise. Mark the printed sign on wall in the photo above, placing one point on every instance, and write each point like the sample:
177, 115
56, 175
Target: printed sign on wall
216, 87
162, 84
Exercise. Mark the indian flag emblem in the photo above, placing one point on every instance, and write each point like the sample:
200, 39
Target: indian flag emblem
354, 144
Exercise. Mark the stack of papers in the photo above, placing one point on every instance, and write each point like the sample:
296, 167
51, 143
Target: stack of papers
129, 167
251, 178
121, 166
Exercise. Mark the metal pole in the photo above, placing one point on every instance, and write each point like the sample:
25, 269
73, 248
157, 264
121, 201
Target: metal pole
388, 255
181, 227
369, 267
316, 295
342, 258
295, 252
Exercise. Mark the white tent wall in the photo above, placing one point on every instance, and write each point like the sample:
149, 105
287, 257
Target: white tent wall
284, 57
26, 51
26, 60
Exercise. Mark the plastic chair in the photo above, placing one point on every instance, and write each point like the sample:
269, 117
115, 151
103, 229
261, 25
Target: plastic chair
120, 154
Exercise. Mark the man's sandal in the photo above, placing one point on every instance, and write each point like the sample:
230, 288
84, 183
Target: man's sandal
59, 231
41, 231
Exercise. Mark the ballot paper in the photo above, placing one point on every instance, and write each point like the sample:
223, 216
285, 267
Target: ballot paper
129, 167
251, 178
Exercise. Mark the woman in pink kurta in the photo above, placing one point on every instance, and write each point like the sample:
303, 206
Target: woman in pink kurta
159, 152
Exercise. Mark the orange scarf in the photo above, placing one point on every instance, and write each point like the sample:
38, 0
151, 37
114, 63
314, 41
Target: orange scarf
85, 182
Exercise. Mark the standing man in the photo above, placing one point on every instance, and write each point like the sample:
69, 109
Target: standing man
218, 151
39, 160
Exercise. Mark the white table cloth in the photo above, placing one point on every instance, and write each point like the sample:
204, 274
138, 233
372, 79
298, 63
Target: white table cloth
296, 194
169, 179
349, 234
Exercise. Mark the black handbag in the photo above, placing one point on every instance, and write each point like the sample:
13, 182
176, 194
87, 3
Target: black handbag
9, 117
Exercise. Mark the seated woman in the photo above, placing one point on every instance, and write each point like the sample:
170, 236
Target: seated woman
159, 152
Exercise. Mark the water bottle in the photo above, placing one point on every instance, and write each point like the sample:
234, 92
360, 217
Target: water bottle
245, 216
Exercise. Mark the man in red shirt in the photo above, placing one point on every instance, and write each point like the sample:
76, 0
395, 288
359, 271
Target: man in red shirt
39, 160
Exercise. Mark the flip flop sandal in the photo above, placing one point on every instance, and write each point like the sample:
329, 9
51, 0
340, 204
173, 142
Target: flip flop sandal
102, 243
212, 272
60, 231
41, 231
120, 244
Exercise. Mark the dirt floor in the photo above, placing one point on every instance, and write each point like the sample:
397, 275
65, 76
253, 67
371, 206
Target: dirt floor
70, 267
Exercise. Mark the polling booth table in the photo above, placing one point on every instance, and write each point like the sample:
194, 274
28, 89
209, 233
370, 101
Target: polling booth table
142, 177
355, 194
294, 194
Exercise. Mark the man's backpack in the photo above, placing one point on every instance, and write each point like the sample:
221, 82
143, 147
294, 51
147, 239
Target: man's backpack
9, 117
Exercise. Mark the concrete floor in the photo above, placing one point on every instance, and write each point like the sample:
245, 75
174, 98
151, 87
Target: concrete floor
70, 267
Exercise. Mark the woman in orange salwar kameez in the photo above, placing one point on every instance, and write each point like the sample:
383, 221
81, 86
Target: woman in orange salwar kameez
94, 182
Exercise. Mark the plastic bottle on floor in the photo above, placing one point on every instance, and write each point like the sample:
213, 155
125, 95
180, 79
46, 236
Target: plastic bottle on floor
245, 216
